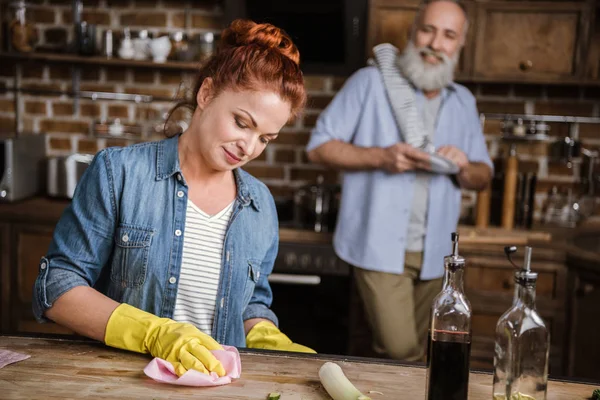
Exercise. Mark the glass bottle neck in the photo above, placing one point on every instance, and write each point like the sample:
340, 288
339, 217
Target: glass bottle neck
525, 295
453, 279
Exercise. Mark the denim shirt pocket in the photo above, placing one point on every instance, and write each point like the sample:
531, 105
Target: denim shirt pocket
130, 255
253, 277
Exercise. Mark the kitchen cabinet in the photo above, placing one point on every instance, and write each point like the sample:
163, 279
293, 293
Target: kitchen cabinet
390, 21
25, 234
29, 243
509, 41
583, 343
530, 40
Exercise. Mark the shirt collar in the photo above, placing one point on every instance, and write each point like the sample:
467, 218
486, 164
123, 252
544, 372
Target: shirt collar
452, 91
167, 165
445, 92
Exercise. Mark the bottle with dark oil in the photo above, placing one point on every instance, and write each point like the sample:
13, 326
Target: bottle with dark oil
449, 344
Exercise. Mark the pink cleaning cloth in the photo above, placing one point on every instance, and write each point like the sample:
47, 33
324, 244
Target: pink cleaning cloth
9, 357
163, 371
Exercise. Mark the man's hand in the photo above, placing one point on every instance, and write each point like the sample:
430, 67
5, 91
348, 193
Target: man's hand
402, 157
454, 154
471, 175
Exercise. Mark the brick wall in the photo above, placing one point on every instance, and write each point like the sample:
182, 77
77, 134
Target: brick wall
283, 166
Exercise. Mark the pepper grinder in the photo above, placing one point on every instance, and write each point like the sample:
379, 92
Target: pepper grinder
510, 188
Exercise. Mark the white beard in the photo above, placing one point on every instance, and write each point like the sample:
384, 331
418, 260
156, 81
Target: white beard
423, 75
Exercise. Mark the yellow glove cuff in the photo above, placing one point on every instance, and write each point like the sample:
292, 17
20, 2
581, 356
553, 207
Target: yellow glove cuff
265, 335
128, 328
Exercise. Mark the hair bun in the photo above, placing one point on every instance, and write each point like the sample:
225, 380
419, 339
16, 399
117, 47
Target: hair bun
245, 33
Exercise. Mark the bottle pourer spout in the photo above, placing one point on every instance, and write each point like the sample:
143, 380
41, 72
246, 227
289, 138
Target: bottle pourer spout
454, 244
454, 260
527, 262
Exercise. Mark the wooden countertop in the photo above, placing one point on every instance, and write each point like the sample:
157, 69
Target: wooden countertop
61, 369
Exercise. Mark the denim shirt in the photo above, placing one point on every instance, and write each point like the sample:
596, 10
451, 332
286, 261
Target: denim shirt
123, 235
375, 205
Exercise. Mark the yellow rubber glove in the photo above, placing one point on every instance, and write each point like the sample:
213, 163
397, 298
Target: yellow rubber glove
265, 335
182, 344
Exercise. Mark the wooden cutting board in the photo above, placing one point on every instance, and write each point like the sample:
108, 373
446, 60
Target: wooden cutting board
60, 369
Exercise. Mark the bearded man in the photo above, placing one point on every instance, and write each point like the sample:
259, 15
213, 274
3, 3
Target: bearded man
397, 211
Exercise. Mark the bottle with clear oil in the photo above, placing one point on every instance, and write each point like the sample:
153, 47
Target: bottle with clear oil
449, 345
522, 341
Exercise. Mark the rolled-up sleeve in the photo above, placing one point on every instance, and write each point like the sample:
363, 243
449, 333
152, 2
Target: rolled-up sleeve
82, 240
477, 149
339, 120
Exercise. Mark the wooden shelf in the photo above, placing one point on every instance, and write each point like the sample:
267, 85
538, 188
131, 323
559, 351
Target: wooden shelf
97, 60
193, 66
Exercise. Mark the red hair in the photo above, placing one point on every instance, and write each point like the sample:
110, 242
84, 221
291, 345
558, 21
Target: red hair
256, 57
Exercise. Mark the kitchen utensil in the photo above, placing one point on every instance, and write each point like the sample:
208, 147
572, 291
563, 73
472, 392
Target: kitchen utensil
206, 43
510, 187
141, 48
586, 202
21, 166
525, 200
86, 38
64, 172
565, 150
179, 46
482, 218
315, 206
542, 128
160, 49
116, 128
126, 50
22, 33
107, 43
519, 129
507, 126
560, 208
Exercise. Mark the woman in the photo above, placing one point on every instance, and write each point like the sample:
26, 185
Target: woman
175, 228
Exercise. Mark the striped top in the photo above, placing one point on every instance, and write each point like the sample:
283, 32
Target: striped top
401, 96
201, 266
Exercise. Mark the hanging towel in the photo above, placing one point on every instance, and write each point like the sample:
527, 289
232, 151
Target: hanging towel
402, 99
401, 96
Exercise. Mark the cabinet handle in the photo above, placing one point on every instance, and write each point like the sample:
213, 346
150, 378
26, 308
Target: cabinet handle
525, 65
355, 27
506, 284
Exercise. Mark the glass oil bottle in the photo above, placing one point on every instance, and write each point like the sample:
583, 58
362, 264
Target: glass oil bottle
449, 345
522, 342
